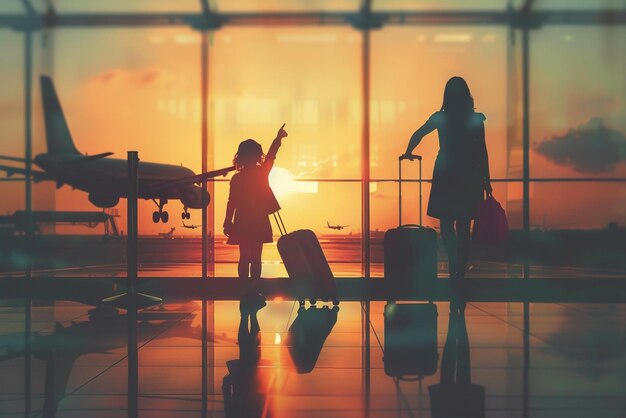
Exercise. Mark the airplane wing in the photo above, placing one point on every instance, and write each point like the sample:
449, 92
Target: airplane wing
11, 158
88, 158
36, 175
166, 184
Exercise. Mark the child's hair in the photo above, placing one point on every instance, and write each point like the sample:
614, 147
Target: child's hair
249, 153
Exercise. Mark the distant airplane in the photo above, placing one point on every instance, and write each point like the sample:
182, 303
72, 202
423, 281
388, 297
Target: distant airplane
168, 235
337, 227
105, 178
191, 226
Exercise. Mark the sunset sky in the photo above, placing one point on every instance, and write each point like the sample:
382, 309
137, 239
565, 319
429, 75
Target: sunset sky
139, 89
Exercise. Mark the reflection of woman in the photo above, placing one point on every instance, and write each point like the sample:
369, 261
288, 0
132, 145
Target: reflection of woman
456, 396
461, 171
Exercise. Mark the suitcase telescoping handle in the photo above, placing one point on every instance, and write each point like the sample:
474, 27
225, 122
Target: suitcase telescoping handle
280, 223
411, 157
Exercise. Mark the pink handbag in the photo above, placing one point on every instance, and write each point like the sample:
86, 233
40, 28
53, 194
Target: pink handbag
491, 226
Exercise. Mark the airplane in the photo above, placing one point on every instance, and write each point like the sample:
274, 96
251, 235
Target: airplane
191, 226
337, 227
168, 235
104, 178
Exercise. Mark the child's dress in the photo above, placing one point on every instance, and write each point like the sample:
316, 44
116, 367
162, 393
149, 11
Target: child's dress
253, 201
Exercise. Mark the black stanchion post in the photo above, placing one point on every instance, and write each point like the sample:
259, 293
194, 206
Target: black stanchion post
132, 300
131, 216
131, 264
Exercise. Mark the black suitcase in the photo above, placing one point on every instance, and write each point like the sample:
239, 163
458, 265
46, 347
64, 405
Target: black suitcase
410, 339
307, 335
306, 265
410, 252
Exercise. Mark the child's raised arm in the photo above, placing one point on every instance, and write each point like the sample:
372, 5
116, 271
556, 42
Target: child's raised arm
276, 143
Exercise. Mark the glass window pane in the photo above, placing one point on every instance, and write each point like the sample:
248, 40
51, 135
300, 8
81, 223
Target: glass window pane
127, 6
12, 115
579, 5
285, 5
135, 89
408, 80
578, 91
12, 6
261, 79
435, 5
578, 229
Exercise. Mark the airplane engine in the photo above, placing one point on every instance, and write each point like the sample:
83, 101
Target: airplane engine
192, 198
103, 200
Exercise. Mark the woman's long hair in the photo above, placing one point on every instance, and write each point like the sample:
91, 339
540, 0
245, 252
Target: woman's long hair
457, 99
249, 153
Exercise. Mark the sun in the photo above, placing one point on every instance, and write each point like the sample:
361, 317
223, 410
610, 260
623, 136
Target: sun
281, 181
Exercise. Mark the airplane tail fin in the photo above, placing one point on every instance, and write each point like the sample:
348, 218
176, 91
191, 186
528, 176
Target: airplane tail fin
58, 137
328, 224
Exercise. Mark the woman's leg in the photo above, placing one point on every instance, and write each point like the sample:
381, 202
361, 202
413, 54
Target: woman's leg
450, 242
243, 268
463, 238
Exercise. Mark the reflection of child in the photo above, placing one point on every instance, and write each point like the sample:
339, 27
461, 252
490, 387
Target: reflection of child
250, 202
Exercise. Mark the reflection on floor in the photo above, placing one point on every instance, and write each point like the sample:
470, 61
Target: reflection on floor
276, 361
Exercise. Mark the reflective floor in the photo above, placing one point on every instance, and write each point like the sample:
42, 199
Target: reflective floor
510, 360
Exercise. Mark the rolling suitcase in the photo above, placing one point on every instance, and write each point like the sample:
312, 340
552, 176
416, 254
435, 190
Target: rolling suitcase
410, 251
307, 335
306, 264
410, 340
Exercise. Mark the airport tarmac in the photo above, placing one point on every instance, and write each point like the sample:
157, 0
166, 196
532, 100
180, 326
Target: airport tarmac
181, 257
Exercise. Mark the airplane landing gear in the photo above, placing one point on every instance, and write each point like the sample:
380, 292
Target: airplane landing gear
160, 215
185, 214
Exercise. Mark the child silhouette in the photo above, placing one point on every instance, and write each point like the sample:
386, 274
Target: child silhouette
250, 203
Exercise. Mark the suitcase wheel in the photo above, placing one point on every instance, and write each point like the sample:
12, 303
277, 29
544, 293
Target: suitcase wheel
335, 302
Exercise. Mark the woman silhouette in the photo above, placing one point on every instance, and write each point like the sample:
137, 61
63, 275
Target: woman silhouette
461, 172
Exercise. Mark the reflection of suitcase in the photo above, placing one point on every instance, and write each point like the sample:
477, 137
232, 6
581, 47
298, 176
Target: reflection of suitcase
307, 335
457, 401
410, 252
410, 339
306, 264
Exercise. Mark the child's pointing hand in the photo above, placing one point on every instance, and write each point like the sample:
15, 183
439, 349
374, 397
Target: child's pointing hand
281, 132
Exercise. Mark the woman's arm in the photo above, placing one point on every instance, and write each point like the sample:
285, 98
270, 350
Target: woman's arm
276, 143
417, 136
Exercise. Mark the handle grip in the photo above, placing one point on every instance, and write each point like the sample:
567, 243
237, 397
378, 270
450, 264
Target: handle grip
411, 157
